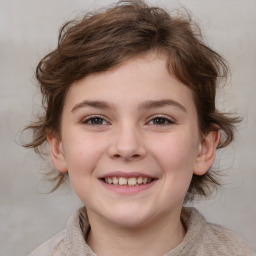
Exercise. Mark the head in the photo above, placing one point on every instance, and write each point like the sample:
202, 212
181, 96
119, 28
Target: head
104, 40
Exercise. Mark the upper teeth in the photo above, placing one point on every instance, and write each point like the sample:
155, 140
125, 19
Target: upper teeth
133, 181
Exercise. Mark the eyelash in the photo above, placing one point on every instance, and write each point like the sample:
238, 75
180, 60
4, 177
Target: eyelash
100, 121
163, 121
90, 119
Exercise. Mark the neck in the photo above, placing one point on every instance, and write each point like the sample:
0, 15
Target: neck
154, 238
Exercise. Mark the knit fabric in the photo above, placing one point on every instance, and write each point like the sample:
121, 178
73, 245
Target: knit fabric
202, 238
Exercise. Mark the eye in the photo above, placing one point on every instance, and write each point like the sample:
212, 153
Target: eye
159, 120
94, 120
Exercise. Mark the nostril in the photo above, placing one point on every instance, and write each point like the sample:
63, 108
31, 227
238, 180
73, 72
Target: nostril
132, 156
126, 151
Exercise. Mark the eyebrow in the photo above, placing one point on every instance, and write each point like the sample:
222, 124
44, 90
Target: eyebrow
148, 104
161, 103
89, 103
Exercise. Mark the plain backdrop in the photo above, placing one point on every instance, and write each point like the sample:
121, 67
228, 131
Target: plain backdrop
28, 31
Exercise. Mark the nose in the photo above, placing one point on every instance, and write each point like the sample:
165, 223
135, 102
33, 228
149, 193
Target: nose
127, 144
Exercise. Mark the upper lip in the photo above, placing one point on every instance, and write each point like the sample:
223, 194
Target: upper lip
126, 175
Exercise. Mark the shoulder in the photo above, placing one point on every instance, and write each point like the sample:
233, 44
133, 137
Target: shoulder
56, 246
68, 242
224, 240
213, 239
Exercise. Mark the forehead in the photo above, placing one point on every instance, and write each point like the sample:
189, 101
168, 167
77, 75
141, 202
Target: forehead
141, 78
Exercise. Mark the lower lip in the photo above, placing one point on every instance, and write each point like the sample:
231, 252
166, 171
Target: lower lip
128, 189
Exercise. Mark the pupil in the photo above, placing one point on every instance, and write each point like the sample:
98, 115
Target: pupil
97, 121
159, 121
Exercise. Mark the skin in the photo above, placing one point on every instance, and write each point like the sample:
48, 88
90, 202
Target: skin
135, 118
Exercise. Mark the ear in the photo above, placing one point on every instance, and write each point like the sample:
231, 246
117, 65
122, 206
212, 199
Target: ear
57, 153
207, 152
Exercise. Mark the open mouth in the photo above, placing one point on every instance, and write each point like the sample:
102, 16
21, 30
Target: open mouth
123, 181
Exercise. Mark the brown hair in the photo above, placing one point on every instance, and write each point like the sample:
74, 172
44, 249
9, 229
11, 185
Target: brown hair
99, 41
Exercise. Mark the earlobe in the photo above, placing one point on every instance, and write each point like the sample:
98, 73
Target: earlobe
57, 153
207, 152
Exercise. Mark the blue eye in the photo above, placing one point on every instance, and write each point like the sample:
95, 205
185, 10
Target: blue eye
161, 121
96, 120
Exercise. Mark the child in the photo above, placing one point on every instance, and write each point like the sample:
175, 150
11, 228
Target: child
130, 118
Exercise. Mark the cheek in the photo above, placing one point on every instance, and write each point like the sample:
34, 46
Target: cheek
176, 152
83, 153
82, 157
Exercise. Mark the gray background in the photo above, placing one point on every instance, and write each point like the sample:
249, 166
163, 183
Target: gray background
28, 31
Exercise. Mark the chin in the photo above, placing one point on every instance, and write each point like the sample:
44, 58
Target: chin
130, 218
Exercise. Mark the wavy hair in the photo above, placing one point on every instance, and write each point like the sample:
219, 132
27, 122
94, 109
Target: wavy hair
104, 39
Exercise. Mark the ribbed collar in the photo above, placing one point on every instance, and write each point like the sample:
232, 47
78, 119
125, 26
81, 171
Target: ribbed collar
190, 217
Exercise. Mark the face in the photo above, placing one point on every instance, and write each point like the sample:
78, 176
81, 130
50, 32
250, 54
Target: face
130, 142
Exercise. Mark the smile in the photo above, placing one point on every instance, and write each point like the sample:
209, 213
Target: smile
123, 181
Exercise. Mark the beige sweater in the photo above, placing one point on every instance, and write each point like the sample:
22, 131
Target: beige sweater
202, 239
